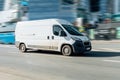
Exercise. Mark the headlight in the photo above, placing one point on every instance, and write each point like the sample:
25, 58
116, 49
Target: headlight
75, 38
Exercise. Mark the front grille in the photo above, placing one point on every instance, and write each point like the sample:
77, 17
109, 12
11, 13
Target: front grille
78, 43
86, 43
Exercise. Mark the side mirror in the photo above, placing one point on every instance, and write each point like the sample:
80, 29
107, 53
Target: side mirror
62, 33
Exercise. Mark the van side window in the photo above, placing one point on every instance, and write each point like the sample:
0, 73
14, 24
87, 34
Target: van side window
56, 30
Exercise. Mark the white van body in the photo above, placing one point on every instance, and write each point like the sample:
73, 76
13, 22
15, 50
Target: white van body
50, 34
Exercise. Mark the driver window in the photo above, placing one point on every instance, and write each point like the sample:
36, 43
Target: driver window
57, 30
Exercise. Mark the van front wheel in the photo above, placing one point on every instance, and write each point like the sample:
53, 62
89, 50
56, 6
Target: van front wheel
22, 48
67, 50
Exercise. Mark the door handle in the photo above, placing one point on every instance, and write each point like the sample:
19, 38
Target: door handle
48, 37
52, 37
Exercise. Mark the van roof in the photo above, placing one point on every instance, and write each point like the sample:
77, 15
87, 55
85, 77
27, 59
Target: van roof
61, 21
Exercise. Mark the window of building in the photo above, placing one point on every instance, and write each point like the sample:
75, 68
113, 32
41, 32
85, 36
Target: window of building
67, 2
1, 4
94, 5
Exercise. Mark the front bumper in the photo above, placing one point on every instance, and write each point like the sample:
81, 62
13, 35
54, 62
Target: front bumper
81, 47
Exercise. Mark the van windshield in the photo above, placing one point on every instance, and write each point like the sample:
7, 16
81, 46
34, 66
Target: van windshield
72, 30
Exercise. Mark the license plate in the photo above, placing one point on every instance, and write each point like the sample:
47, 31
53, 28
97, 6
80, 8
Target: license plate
88, 48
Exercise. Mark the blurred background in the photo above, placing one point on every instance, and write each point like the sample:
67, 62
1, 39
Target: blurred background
98, 19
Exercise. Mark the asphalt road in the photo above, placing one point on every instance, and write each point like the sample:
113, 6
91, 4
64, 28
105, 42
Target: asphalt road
102, 63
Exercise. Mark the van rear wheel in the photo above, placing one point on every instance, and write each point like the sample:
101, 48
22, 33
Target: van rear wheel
67, 50
22, 48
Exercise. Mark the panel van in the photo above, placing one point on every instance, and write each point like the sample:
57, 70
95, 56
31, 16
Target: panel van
51, 34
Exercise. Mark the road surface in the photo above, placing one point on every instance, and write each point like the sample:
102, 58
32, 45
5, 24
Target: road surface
102, 63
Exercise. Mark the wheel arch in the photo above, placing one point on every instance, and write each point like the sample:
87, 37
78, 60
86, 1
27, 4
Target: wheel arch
66, 44
22, 43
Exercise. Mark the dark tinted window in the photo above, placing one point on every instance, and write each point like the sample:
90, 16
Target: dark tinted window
56, 30
72, 30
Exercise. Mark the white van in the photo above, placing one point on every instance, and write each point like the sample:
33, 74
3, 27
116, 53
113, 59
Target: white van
50, 34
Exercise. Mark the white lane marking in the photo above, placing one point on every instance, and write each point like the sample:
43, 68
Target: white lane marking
95, 50
114, 61
8, 46
106, 49
109, 49
11, 52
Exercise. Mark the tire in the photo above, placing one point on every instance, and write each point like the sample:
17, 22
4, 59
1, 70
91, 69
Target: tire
67, 50
22, 48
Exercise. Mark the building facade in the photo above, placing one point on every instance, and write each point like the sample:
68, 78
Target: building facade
101, 9
44, 9
66, 9
103, 6
1, 4
116, 6
83, 10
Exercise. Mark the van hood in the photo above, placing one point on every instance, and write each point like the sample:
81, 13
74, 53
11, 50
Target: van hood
82, 38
